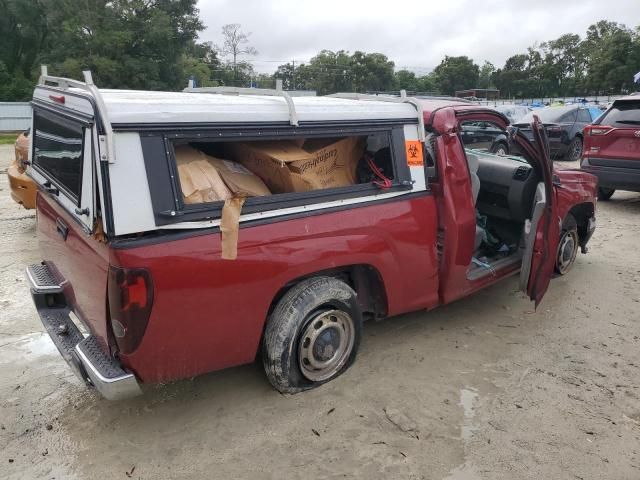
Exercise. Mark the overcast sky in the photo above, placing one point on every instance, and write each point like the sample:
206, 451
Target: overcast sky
414, 34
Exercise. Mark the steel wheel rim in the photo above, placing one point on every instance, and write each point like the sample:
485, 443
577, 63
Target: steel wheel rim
567, 250
325, 345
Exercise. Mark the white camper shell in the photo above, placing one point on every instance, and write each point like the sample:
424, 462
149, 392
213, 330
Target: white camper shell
125, 174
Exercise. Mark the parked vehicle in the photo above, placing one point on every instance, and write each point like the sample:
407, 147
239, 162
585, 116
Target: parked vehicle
612, 148
485, 135
23, 190
564, 125
513, 112
133, 248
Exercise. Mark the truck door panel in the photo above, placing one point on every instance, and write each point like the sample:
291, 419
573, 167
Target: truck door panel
542, 233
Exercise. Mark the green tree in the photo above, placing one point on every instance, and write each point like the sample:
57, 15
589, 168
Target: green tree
456, 73
264, 80
427, 83
405, 80
141, 44
487, 72
512, 79
371, 72
329, 72
236, 44
240, 75
24, 31
611, 56
286, 73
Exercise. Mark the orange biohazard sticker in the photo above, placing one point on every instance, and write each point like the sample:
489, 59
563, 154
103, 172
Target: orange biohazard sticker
414, 153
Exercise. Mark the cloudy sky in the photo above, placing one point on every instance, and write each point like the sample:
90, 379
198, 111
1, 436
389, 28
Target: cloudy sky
414, 34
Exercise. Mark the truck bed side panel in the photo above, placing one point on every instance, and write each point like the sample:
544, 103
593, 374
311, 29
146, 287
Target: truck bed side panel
209, 313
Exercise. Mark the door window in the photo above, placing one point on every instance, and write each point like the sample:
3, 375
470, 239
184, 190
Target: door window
485, 136
584, 116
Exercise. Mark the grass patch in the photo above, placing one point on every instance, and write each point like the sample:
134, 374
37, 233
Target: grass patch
8, 138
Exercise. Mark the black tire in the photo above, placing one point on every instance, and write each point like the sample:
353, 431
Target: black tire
574, 151
500, 148
605, 193
298, 312
567, 246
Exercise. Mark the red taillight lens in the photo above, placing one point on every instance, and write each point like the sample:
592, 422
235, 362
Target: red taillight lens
130, 299
596, 131
58, 98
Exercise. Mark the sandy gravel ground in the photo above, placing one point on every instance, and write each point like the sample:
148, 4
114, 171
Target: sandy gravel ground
485, 388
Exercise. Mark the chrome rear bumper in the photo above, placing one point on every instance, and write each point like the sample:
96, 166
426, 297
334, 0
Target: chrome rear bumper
83, 354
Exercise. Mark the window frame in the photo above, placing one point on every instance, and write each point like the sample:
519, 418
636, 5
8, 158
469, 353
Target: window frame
163, 175
85, 126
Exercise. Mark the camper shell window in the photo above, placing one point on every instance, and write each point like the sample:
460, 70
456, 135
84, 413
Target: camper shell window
58, 146
272, 170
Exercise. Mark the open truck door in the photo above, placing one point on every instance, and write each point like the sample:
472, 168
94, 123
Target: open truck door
542, 230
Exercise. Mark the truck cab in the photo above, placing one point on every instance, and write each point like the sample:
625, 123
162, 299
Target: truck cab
186, 232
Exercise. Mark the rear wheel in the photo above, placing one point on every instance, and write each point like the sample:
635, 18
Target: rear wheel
605, 193
568, 245
574, 152
313, 334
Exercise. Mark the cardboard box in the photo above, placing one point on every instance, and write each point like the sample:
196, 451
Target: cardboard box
209, 179
239, 179
199, 180
285, 167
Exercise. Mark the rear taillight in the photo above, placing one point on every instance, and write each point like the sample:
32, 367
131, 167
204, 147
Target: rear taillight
130, 293
594, 131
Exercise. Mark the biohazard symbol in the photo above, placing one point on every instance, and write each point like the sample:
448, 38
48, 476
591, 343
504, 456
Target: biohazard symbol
414, 153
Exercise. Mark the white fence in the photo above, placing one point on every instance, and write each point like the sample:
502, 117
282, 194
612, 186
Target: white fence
15, 116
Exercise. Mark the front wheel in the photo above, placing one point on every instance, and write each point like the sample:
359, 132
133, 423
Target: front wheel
313, 335
500, 149
568, 245
605, 193
574, 152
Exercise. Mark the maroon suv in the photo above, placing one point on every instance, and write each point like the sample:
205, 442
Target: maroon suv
612, 147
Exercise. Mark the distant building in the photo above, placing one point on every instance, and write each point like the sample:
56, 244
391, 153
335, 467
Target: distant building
479, 93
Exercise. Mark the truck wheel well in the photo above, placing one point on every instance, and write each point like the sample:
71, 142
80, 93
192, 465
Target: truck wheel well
364, 279
582, 213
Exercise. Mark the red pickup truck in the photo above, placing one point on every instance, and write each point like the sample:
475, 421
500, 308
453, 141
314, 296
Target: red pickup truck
403, 219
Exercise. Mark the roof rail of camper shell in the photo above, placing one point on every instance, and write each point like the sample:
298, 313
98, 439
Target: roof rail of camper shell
269, 92
403, 98
107, 151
